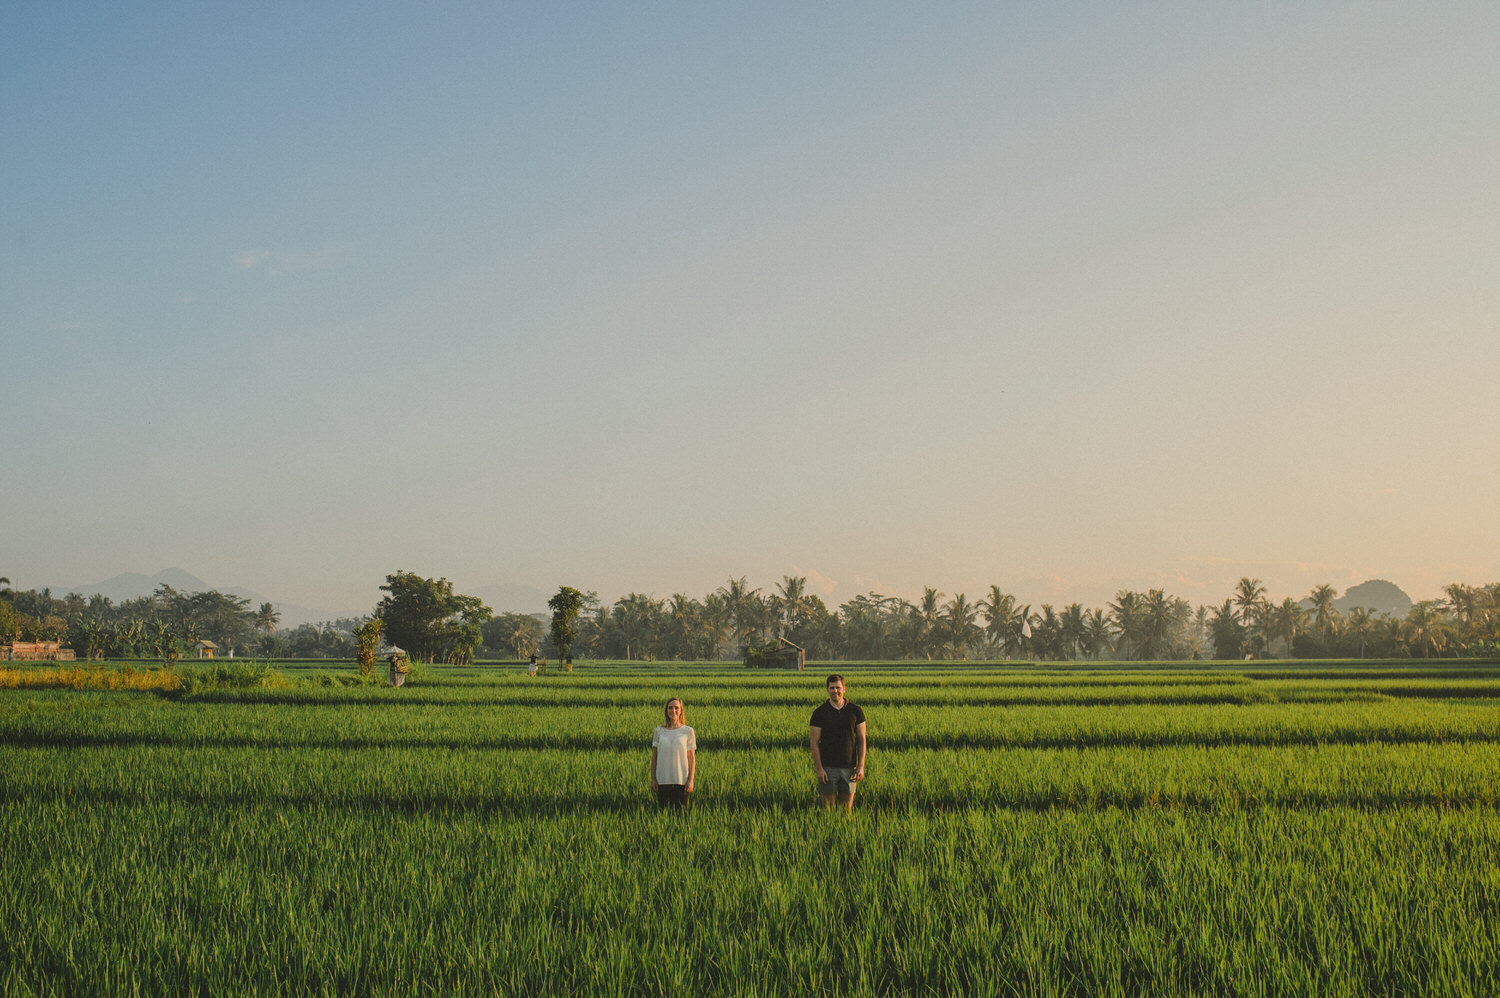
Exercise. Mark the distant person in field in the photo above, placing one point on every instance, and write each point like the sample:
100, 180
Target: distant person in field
399, 668
837, 740
674, 759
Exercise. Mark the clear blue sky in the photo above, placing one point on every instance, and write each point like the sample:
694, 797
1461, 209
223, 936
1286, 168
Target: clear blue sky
1061, 297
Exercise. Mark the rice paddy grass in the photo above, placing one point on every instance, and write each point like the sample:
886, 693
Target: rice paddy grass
1177, 829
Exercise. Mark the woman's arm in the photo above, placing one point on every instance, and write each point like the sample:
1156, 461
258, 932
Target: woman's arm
692, 768
653, 768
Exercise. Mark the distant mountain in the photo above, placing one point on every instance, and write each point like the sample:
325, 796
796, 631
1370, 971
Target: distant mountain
511, 598
1376, 595
134, 585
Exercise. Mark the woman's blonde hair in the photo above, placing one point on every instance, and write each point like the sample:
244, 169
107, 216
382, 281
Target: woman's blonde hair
676, 700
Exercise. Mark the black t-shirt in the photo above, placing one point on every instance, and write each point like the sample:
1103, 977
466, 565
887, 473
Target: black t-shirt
836, 741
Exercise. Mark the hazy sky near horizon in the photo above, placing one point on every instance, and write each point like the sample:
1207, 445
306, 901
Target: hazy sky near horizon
1066, 298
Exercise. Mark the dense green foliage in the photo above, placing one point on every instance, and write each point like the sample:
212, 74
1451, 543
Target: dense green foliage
1067, 830
565, 604
1148, 626
429, 620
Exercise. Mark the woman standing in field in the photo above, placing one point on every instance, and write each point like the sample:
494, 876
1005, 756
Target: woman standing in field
674, 759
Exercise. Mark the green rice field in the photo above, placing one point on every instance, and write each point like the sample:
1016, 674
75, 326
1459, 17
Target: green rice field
1188, 829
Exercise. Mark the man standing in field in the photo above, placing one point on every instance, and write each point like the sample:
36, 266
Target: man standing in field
837, 740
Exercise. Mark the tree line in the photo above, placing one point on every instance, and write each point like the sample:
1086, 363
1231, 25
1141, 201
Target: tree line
432, 622
1134, 626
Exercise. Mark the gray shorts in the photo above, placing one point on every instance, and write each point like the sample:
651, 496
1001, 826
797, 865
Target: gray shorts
840, 780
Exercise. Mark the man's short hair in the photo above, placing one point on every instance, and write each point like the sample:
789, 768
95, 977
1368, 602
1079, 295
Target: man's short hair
834, 678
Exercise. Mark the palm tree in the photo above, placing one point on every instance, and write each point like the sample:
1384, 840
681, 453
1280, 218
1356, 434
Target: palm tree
870, 623
267, 618
717, 623
682, 623
1046, 634
1426, 630
1228, 632
791, 603
523, 636
746, 607
1074, 629
959, 627
1248, 594
1358, 628
1160, 613
1128, 615
1263, 631
636, 620
996, 608
1464, 603
929, 610
1286, 620
911, 633
1096, 638
593, 629
1325, 617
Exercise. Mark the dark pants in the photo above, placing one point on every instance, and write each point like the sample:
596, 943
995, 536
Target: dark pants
671, 795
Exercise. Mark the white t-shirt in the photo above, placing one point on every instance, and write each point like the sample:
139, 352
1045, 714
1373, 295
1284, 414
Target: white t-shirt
672, 747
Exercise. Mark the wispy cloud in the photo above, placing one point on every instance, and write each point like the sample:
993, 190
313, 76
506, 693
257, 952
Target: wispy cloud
277, 263
820, 581
247, 260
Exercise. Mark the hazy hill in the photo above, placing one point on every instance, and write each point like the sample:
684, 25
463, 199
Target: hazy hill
134, 585
505, 598
1377, 595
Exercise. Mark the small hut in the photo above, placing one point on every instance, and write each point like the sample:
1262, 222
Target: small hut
204, 648
781, 655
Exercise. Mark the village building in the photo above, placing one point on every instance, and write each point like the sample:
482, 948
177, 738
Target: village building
35, 651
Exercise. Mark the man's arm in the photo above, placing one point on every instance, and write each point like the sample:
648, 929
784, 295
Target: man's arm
859, 751
814, 734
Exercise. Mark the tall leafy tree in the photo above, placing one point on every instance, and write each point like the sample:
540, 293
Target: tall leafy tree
429, 620
566, 605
